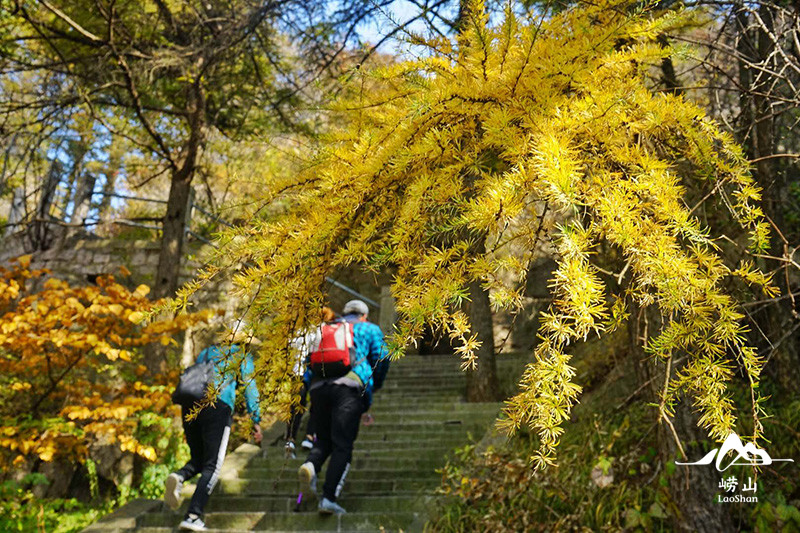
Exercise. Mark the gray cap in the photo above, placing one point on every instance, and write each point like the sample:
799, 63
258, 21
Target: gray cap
355, 306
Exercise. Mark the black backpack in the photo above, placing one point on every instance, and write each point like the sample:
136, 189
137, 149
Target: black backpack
193, 383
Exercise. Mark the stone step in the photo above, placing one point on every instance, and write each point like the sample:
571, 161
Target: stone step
421, 449
385, 419
371, 472
444, 380
395, 421
439, 375
433, 375
303, 521
279, 504
388, 424
422, 392
430, 375
415, 400
410, 360
448, 358
379, 444
418, 385
393, 443
278, 463
390, 420
410, 428
424, 449
423, 379
412, 404
366, 440
431, 411
442, 368
420, 432
289, 486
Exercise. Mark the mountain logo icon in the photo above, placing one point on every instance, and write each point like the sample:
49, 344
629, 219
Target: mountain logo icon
744, 454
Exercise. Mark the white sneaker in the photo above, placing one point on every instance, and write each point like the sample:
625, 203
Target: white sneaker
172, 490
308, 478
328, 507
307, 444
193, 523
288, 450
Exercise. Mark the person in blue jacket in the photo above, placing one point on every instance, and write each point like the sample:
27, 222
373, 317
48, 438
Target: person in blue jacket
207, 434
337, 405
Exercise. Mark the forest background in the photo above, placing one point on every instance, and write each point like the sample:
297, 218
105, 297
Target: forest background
224, 107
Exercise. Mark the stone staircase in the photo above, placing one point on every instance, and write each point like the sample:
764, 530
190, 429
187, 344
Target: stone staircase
420, 417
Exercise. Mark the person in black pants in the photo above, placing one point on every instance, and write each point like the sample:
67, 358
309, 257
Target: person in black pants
337, 411
301, 345
337, 404
207, 434
293, 425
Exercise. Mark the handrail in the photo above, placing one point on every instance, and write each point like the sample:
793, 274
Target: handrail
212, 216
353, 292
126, 197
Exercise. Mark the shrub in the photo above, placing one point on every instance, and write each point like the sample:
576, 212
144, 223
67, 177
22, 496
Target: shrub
72, 383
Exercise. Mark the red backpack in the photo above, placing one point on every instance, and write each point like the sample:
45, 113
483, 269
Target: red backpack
335, 352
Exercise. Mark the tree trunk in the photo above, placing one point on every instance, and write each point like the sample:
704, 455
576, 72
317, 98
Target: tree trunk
16, 211
175, 219
77, 186
691, 488
174, 226
482, 383
668, 76
39, 230
108, 189
82, 199
169, 259
111, 172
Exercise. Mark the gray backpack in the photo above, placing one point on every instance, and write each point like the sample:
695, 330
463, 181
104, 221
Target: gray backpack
193, 384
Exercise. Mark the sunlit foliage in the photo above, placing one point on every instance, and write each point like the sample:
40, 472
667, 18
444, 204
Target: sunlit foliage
70, 374
462, 165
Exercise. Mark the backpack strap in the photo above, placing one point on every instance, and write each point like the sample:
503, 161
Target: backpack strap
202, 355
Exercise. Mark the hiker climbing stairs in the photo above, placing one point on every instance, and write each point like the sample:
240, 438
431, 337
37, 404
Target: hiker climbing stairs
420, 416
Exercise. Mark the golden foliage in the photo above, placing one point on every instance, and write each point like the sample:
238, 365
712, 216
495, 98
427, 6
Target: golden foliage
456, 167
69, 361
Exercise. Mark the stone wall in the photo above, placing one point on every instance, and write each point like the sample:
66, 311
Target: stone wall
82, 257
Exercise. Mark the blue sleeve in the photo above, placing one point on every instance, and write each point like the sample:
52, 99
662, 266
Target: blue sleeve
379, 374
204, 355
250, 390
378, 357
366, 399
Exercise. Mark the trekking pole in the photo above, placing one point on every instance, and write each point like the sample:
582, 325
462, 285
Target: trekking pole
299, 501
